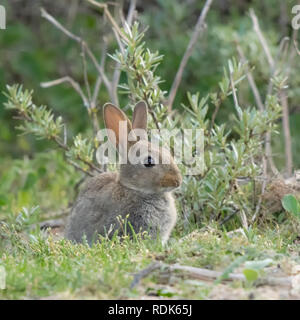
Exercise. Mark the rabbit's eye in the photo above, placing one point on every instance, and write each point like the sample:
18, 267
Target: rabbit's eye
149, 162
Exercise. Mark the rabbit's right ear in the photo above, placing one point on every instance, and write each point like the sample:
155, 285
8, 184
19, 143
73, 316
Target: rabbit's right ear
113, 116
140, 116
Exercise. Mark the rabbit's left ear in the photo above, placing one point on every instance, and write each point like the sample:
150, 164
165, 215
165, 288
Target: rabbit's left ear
117, 133
140, 116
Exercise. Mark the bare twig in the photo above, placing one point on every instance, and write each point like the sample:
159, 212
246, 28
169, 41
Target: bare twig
116, 75
77, 88
296, 47
67, 148
236, 103
294, 52
227, 218
261, 37
283, 98
92, 107
104, 6
251, 81
63, 146
287, 133
214, 115
268, 148
197, 31
144, 273
79, 40
285, 107
237, 107
101, 72
261, 107
274, 70
150, 110
73, 83
268, 138
208, 275
205, 274
58, 25
99, 79
85, 75
131, 10
77, 167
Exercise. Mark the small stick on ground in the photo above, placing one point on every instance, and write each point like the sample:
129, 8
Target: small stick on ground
208, 275
144, 273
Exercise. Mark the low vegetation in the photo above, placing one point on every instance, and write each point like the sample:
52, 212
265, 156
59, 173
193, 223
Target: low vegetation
239, 219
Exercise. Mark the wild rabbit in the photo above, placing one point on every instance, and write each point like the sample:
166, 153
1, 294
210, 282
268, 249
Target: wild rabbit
142, 190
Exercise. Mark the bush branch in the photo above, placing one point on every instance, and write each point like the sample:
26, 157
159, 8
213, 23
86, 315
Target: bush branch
197, 32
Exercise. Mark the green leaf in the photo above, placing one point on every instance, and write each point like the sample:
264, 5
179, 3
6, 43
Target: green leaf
164, 293
290, 204
250, 274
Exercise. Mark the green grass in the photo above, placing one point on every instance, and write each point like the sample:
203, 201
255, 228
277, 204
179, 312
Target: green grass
42, 266
39, 266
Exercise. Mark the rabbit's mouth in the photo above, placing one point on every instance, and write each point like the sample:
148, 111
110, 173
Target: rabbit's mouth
169, 189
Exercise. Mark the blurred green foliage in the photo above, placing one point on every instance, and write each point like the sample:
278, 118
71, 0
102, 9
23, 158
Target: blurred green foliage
33, 51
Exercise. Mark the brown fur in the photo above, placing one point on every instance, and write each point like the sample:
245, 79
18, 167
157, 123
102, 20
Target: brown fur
143, 193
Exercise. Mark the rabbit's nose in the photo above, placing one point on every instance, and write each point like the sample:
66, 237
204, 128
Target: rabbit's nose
171, 180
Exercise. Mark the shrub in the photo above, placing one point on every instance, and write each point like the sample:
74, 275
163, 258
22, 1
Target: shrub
233, 150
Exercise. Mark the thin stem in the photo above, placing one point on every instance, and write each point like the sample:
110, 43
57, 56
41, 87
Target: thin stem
109, 16
73, 83
251, 80
79, 40
117, 73
197, 32
85, 75
272, 64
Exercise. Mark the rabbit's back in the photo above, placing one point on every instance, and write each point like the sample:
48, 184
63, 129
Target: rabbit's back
103, 199
90, 206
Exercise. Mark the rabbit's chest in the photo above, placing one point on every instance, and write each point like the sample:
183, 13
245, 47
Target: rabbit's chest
153, 213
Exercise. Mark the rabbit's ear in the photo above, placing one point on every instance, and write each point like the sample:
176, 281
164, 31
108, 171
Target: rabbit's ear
139, 120
118, 132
